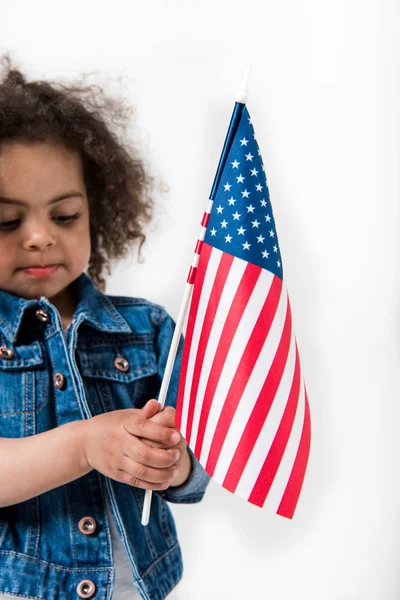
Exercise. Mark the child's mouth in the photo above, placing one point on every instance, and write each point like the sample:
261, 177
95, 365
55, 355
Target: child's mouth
40, 271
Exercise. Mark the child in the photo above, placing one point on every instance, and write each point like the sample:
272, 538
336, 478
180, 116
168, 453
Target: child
80, 436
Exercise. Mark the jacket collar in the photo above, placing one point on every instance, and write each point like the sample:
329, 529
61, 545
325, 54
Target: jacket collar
93, 306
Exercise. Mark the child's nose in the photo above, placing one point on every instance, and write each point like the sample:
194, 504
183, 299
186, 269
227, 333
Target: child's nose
38, 237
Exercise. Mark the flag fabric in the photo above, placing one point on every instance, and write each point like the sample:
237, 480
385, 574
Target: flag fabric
242, 403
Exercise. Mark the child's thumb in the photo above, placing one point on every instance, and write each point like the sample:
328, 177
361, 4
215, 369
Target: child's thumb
151, 408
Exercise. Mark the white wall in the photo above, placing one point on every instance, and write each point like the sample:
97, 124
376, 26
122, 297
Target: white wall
324, 98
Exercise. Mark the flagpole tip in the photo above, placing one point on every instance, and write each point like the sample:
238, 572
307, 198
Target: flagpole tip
241, 94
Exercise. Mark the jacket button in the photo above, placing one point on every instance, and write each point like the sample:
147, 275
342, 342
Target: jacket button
86, 588
87, 525
121, 364
59, 380
42, 316
6, 352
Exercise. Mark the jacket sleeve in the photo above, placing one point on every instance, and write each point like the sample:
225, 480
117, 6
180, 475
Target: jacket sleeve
194, 487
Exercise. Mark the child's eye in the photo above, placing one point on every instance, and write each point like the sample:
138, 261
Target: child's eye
8, 225
66, 218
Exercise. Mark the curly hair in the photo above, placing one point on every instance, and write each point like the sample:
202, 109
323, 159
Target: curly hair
86, 120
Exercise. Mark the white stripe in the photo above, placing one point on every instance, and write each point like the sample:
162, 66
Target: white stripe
195, 260
252, 390
235, 353
271, 424
228, 293
278, 487
212, 267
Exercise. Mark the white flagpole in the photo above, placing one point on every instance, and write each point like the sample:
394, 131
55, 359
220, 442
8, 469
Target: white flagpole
176, 337
241, 96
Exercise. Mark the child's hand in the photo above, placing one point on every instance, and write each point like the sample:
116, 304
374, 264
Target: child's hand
128, 446
166, 417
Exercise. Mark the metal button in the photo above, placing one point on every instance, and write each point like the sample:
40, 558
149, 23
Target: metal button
59, 381
86, 588
121, 363
87, 525
42, 316
6, 352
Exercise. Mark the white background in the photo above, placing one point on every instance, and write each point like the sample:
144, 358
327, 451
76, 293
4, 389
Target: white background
324, 100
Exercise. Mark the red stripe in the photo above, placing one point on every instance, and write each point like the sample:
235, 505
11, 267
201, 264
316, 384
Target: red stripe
212, 307
192, 275
260, 410
205, 219
243, 372
239, 303
202, 268
274, 457
293, 488
199, 245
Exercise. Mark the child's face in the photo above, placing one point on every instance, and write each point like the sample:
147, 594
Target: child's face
41, 186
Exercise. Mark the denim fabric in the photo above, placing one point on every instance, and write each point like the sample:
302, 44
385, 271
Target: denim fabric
43, 554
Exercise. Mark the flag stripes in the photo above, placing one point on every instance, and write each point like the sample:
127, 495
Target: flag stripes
240, 377
274, 456
293, 489
243, 372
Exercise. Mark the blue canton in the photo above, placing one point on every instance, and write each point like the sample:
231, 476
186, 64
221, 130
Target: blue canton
241, 220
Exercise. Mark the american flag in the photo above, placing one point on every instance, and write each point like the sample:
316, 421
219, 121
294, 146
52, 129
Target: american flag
242, 403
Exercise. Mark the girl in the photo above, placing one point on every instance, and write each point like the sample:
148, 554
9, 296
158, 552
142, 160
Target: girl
80, 437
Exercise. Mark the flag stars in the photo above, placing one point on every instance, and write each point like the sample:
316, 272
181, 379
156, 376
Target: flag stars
249, 120
243, 221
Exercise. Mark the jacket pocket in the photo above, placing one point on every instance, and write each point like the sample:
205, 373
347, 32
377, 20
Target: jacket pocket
118, 373
18, 388
118, 360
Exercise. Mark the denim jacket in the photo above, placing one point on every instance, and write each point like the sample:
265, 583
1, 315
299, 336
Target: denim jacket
114, 358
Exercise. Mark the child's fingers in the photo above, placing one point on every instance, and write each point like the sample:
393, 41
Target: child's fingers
149, 456
165, 417
141, 427
125, 477
142, 473
148, 468
151, 408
